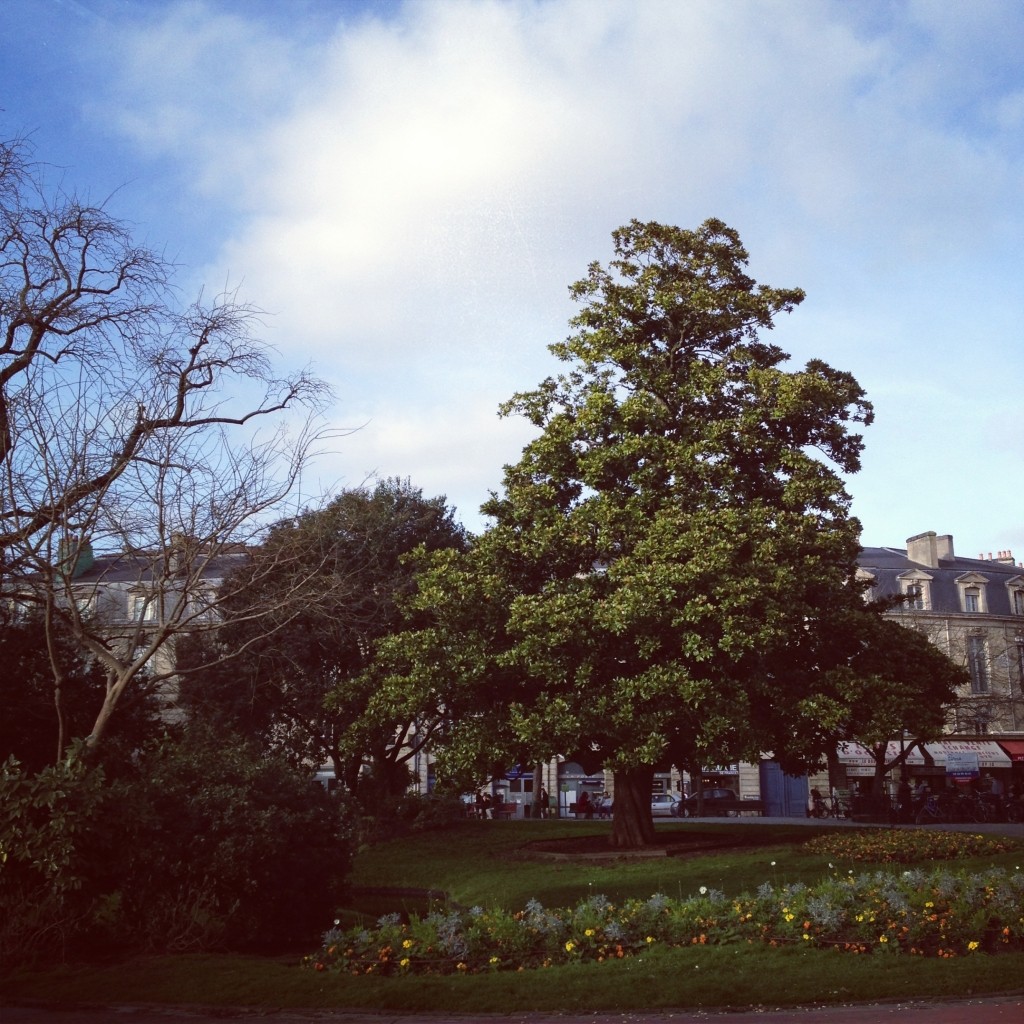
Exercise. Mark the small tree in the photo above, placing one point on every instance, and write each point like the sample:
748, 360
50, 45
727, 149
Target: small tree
663, 550
127, 424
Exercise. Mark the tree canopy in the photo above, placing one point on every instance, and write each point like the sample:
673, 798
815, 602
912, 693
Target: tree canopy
304, 686
666, 552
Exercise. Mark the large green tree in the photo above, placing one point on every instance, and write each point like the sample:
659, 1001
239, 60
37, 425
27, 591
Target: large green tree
666, 551
303, 685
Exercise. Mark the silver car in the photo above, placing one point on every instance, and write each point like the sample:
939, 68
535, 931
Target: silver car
661, 805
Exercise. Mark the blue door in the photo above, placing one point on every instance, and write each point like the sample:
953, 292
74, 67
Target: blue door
784, 796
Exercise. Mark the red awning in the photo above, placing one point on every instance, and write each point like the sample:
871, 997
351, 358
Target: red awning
1015, 748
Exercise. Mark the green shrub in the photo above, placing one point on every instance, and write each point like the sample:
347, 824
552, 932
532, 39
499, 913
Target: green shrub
47, 820
201, 845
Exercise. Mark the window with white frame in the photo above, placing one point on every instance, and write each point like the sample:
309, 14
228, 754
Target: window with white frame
977, 663
869, 581
971, 589
916, 589
1016, 590
141, 607
203, 604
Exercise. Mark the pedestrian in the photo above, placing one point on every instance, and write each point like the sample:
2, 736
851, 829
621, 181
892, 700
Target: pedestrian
543, 802
584, 806
904, 801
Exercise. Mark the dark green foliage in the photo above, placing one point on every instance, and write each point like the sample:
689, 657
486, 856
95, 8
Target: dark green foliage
29, 725
202, 845
50, 845
302, 683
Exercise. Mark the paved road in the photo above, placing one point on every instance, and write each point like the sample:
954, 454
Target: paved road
996, 1010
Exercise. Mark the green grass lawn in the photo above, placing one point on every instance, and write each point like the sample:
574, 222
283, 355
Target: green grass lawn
484, 863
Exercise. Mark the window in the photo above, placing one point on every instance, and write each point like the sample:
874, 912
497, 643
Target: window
1018, 601
971, 588
977, 664
203, 605
916, 589
141, 608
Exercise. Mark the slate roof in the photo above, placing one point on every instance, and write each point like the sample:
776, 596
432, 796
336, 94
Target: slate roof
141, 566
886, 564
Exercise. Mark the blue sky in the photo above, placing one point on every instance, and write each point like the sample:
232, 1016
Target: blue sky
409, 188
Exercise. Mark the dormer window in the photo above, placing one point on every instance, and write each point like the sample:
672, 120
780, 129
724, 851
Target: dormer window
915, 585
868, 581
971, 588
1015, 587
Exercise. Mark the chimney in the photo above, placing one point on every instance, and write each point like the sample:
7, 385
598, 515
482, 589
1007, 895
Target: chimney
923, 549
944, 547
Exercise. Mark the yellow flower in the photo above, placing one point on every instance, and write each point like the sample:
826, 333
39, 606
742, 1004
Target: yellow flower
407, 944
883, 938
650, 939
404, 962
569, 947
973, 945
494, 960
589, 932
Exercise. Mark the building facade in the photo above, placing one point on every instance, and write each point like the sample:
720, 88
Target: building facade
970, 608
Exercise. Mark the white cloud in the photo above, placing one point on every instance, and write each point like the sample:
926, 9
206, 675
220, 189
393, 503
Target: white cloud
410, 198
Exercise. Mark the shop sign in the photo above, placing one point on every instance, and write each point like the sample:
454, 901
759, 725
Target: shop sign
962, 764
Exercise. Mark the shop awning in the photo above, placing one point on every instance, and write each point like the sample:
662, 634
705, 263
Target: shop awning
1014, 749
989, 753
858, 760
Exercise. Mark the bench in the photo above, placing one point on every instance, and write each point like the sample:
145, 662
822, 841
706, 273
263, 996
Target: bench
504, 811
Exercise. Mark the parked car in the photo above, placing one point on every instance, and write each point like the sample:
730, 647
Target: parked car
661, 805
686, 807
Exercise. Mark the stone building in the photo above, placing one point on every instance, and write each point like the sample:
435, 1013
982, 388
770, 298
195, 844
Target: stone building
971, 608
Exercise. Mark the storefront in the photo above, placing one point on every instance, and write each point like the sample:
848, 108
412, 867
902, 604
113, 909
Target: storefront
858, 762
1014, 750
966, 762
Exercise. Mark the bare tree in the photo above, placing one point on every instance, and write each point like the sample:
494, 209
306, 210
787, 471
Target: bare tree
131, 427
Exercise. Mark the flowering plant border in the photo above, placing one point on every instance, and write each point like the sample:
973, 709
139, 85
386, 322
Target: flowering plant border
938, 913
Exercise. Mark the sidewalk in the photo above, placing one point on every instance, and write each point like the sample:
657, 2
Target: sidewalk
996, 1010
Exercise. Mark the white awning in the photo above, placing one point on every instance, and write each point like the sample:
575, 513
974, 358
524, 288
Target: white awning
989, 753
858, 760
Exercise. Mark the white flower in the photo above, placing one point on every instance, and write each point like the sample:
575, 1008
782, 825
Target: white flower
703, 890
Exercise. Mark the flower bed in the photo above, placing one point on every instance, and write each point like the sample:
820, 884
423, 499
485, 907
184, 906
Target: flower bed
908, 846
936, 913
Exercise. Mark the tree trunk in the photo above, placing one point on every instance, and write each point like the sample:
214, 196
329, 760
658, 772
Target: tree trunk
632, 824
